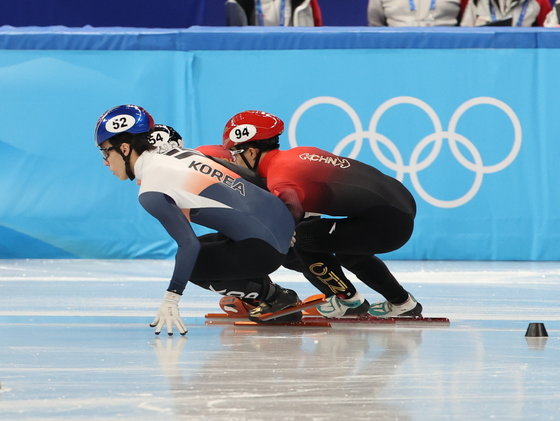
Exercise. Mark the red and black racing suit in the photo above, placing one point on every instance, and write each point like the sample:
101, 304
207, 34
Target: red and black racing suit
370, 213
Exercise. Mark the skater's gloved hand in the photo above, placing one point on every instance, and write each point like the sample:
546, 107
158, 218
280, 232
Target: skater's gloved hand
168, 315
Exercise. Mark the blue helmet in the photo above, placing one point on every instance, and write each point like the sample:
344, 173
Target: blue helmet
123, 118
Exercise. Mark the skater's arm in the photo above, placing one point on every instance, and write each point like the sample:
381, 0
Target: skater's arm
290, 198
164, 209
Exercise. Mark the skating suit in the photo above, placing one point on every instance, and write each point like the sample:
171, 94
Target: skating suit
184, 186
328, 184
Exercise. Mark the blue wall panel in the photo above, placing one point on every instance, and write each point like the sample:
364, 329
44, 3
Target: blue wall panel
55, 189
470, 131
467, 143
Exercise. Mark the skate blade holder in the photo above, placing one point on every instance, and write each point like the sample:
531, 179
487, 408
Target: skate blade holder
268, 318
299, 307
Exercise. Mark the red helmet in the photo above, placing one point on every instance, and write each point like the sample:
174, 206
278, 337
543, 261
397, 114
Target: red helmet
249, 126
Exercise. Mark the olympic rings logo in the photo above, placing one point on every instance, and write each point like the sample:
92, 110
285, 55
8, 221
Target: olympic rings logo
415, 165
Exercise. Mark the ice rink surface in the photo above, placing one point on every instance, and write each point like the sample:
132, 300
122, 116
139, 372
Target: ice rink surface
75, 345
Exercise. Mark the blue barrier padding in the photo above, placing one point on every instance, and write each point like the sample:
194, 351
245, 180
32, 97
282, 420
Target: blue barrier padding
273, 38
471, 130
15, 244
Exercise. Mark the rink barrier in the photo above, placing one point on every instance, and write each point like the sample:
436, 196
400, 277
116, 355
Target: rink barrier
207, 38
465, 118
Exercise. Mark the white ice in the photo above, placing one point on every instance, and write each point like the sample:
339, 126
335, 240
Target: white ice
75, 345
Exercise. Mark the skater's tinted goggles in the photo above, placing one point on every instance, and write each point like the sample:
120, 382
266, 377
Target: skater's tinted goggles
105, 152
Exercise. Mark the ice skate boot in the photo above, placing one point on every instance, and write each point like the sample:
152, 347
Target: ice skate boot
235, 307
384, 310
336, 307
281, 299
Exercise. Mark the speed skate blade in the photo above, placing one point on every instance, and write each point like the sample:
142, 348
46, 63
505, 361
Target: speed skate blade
299, 307
272, 323
420, 319
380, 321
349, 319
225, 316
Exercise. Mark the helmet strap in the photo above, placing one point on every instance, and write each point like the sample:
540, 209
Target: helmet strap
127, 167
255, 164
126, 159
257, 159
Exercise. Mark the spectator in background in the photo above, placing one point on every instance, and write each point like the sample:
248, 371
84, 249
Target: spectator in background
414, 12
273, 13
505, 13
